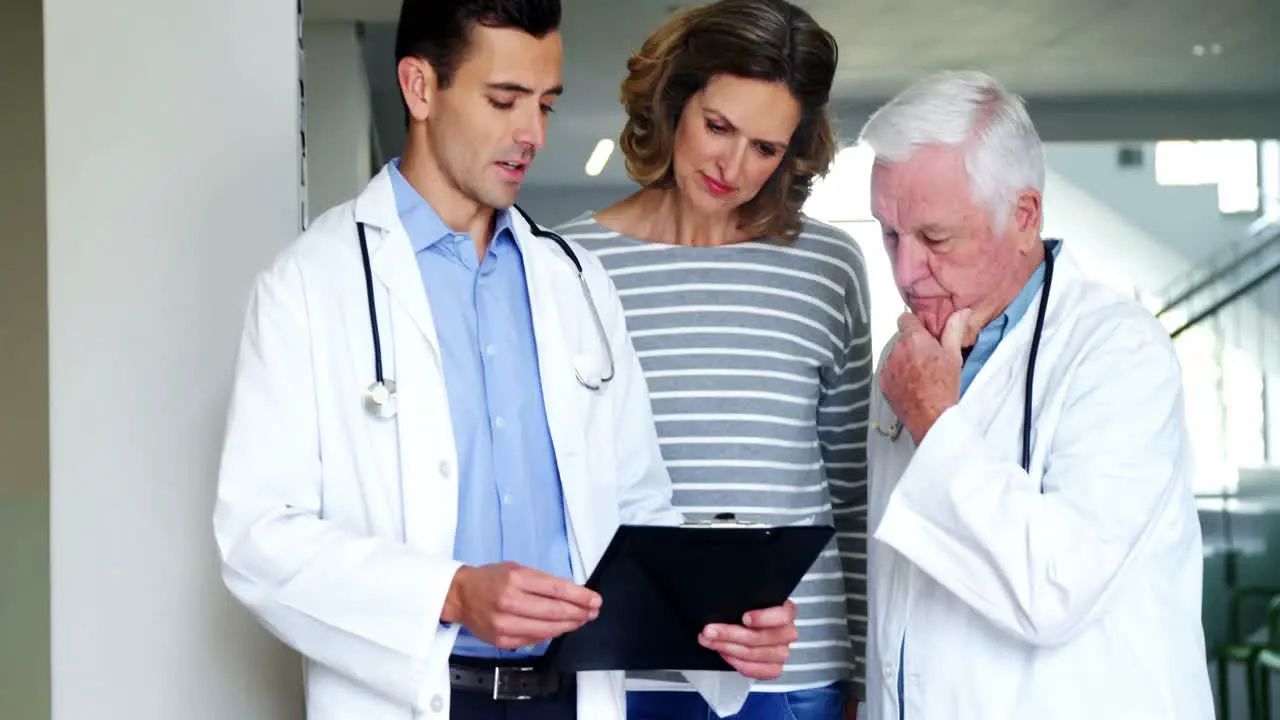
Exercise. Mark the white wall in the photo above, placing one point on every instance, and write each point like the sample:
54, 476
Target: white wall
338, 115
551, 205
173, 176
1185, 218
24, 371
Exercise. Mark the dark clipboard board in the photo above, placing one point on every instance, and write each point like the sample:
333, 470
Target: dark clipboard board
661, 585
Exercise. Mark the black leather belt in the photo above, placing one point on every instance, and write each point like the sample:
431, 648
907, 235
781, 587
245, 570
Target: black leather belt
506, 679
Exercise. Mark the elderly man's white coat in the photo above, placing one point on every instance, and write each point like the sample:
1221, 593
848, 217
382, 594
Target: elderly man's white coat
1072, 592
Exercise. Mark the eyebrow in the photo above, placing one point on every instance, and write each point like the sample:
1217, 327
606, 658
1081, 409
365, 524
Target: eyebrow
523, 89
933, 228
732, 126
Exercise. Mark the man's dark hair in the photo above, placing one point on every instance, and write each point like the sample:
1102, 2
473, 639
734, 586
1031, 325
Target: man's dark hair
439, 31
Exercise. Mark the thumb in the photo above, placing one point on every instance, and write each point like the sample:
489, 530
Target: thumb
954, 332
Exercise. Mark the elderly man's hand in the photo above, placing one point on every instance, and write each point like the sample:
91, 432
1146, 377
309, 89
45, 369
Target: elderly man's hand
760, 646
921, 377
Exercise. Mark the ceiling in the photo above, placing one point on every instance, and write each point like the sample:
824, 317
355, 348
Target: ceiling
1116, 52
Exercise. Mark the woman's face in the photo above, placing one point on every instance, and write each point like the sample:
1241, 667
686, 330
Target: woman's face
730, 138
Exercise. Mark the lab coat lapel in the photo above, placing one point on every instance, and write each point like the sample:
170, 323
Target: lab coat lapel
391, 254
428, 459
547, 277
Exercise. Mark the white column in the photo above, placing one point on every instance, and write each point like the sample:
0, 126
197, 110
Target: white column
24, 372
172, 133
339, 116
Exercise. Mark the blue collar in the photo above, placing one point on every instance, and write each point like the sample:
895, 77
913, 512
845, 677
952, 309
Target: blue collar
423, 223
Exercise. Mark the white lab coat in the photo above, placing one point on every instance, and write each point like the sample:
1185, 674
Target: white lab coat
336, 529
1080, 602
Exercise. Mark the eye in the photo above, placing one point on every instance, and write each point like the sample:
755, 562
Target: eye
547, 109
716, 127
502, 104
767, 150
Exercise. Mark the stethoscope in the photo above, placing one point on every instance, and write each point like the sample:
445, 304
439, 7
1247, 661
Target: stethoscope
380, 396
895, 428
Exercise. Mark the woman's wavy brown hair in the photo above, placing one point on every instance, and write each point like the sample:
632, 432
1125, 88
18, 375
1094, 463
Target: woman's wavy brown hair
769, 40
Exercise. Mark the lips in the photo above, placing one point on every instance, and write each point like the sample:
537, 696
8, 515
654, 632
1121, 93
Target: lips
512, 170
715, 187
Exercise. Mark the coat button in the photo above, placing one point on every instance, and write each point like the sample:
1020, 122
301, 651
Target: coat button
444, 469
437, 704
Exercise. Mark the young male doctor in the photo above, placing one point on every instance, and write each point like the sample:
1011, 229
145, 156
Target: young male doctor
418, 540
1036, 551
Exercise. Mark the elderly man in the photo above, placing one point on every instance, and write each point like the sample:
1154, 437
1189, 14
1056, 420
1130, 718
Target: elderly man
1036, 548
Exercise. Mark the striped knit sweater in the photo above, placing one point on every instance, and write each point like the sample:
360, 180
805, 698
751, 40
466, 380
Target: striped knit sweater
758, 361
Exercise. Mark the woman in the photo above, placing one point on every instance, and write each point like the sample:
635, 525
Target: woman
751, 322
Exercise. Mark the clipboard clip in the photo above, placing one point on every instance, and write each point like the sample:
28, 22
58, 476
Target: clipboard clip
723, 520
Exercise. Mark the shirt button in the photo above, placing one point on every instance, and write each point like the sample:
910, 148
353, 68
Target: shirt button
888, 669
437, 704
506, 499
490, 350
498, 422
444, 469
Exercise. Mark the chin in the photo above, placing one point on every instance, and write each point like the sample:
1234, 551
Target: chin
499, 198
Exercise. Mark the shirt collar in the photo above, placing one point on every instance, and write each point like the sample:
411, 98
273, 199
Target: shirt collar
423, 223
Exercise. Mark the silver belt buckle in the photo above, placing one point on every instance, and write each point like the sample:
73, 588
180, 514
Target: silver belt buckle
497, 683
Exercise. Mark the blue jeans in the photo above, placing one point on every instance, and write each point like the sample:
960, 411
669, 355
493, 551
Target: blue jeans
825, 703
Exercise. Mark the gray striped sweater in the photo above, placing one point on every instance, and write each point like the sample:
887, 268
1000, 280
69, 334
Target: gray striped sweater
758, 361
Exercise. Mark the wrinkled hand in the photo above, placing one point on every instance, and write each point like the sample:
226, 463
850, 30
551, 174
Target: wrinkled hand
511, 606
760, 646
921, 377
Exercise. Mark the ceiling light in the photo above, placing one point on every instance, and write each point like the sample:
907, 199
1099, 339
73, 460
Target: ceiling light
599, 157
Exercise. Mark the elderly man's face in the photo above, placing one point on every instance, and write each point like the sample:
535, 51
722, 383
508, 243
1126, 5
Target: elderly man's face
945, 253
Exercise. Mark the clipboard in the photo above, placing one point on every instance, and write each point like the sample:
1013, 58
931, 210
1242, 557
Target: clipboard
661, 585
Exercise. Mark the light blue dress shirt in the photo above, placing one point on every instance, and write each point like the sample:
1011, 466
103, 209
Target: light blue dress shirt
988, 338
510, 505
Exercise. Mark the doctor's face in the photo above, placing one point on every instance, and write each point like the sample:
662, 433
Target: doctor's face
945, 253
485, 128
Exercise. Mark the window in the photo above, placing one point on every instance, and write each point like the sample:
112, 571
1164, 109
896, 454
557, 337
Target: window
1232, 165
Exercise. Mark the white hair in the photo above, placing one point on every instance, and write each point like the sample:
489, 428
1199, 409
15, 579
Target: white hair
969, 111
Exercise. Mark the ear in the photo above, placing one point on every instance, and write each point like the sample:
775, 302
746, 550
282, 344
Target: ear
1026, 219
417, 86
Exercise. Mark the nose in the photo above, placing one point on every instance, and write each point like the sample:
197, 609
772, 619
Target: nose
531, 128
732, 161
910, 262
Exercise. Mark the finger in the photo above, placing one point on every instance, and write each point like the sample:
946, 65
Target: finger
754, 670
907, 322
525, 631
539, 583
772, 654
954, 331
739, 635
778, 616
537, 607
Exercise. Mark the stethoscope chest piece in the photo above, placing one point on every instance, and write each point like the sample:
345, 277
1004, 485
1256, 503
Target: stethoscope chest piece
380, 399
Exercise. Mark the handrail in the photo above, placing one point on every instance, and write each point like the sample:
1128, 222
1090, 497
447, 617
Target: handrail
1230, 298
1263, 234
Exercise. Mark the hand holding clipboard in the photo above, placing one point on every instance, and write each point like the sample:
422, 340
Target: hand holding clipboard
664, 587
